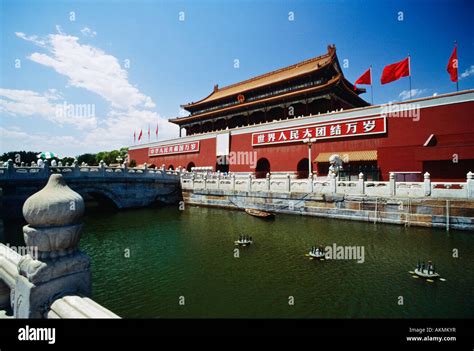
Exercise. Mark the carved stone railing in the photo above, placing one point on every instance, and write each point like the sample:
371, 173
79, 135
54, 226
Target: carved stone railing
53, 267
325, 186
12, 172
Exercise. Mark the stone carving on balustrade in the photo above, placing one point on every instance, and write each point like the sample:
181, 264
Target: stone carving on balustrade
335, 165
54, 228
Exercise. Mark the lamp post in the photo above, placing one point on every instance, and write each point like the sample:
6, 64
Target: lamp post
310, 142
119, 159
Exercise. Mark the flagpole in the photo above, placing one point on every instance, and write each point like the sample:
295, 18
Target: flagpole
409, 72
457, 58
371, 86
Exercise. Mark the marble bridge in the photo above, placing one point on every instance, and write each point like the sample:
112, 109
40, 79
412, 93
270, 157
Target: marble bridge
123, 187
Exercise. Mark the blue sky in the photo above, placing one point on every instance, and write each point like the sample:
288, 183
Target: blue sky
49, 61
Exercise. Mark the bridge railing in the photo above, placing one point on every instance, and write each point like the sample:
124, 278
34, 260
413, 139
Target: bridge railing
12, 172
326, 186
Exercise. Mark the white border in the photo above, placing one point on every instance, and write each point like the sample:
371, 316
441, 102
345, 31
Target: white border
384, 118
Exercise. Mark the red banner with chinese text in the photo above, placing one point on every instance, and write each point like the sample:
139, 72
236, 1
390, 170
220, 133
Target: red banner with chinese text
174, 149
338, 129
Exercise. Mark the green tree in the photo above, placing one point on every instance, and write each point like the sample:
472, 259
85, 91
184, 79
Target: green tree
20, 156
90, 159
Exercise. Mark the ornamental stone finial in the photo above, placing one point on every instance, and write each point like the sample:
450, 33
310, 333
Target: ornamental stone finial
53, 231
54, 205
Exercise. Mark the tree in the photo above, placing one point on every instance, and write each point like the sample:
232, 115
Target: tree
20, 156
90, 159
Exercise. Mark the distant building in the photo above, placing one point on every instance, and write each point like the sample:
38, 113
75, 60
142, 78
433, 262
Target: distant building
283, 117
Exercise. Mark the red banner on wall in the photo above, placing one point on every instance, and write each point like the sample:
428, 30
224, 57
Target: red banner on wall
174, 149
329, 130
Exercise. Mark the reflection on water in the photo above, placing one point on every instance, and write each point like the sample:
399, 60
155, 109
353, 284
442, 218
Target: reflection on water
143, 261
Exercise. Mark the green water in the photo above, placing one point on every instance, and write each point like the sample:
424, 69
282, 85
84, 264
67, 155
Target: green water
191, 254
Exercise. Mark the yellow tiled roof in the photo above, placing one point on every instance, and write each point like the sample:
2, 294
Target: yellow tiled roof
348, 156
269, 78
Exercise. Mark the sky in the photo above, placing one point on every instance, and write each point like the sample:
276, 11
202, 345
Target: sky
83, 76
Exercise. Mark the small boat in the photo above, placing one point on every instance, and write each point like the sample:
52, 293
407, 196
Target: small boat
316, 252
426, 274
258, 213
244, 240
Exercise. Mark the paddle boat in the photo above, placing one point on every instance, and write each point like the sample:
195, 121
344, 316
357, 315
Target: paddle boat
316, 252
426, 271
244, 240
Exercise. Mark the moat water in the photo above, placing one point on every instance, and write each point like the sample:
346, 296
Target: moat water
163, 262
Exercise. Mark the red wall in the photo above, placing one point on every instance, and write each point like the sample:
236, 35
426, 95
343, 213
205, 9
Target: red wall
205, 156
400, 149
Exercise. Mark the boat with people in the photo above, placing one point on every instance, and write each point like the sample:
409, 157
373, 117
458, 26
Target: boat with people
260, 214
244, 240
427, 271
316, 252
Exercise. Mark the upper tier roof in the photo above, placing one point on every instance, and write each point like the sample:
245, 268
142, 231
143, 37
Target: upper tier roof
269, 78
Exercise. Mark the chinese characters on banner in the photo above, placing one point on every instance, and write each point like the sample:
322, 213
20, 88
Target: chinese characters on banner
174, 149
329, 130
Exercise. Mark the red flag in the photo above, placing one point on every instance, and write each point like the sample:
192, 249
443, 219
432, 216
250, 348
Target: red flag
453, 65
156, 132
366, 78
140, 135
134, 137
396, 71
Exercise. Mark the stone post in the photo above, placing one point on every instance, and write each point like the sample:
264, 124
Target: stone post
249, 186
360, 184
59, 269
268, 181
427, 184
204, 178
192, 181
218, 179
76, 171
46, 168
10, 167
145, 168
470, 185
288, 179
333, 183
233, 182
392, 184
102, 167
310, 183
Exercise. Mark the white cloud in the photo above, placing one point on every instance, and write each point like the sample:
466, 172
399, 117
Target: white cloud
32, 38
92, 69
89, 68
65, 145
405, 94
87, 32
59, 29
468, 72
49, 106
117, 129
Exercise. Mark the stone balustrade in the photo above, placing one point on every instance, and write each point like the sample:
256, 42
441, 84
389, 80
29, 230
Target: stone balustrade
53, 267
279, 183
12, 172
